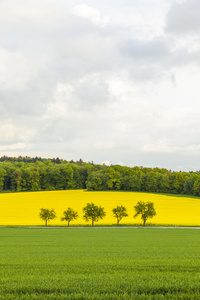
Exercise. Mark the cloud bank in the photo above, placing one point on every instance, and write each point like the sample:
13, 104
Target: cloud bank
113, 81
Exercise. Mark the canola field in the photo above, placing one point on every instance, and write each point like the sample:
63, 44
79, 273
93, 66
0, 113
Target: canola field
23, 208
99, 263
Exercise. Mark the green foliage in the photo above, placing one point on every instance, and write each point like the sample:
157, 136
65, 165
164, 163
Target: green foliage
114, 179
110, 264
69, 215
119, 212
133, 182
145, 209
196, 187
35, 174
93, 212
189, 185
16, 180
47, 214
177, 181
3, 174
94, 182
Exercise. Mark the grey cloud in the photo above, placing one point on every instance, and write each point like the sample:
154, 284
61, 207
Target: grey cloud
145, 59
74, 89
159, 51
183, 18
146, 50
91, 91
156, 59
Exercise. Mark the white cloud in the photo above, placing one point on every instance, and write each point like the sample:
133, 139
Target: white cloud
17, 146
14, 72
162, 147
102, 145
11, 132
101, 80
106, 162
92, 14
61, 98
35, 14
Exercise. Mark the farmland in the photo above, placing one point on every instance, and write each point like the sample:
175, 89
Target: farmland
23, 208
99, 263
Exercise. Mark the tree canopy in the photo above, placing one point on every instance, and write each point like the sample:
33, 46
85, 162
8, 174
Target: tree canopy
93, 212
41, 174
119, 212
47, 214
145, 209
69, 215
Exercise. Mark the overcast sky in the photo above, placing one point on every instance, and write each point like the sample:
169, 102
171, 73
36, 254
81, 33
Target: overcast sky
110, 81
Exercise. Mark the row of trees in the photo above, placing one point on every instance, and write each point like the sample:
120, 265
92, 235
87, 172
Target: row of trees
33, 174
93, 213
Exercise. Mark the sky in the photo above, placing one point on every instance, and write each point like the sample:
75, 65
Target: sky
110, 81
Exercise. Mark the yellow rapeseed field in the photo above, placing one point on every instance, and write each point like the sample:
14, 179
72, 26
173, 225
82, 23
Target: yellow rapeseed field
23, 208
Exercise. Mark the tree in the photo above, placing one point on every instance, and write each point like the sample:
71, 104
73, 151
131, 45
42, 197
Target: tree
47, 214
16, 180
119, 212
69, 215
196, 187
3, 173
114, 179
145, 209
189, 185
93, 212
94, 181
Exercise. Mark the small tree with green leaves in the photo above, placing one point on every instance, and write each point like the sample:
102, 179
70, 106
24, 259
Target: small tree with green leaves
145, 209
119, 212
93, 212
69, 215
47, 214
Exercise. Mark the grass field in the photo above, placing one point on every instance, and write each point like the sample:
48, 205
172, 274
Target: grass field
23, 208
99, 263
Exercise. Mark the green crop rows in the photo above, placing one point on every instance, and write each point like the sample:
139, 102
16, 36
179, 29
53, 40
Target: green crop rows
99, 263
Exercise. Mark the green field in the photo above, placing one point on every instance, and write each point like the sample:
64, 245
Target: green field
99, 263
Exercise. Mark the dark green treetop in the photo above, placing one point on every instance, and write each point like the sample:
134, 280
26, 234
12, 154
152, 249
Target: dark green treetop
47, 214
119, 212
69, 215
93, 212
145, 209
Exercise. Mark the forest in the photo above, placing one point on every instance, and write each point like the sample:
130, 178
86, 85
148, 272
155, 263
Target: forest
42, 174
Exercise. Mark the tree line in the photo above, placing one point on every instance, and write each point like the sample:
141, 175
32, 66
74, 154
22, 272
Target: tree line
93, 213
38, 174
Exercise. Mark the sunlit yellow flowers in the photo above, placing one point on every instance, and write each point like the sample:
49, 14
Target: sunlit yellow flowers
24, 208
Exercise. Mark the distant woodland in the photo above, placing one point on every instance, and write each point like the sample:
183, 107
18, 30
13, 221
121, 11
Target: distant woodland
40, 174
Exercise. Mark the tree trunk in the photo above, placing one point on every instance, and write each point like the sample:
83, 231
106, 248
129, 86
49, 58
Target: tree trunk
117, 222
45, 222
68, 223
92, 222
144, 222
